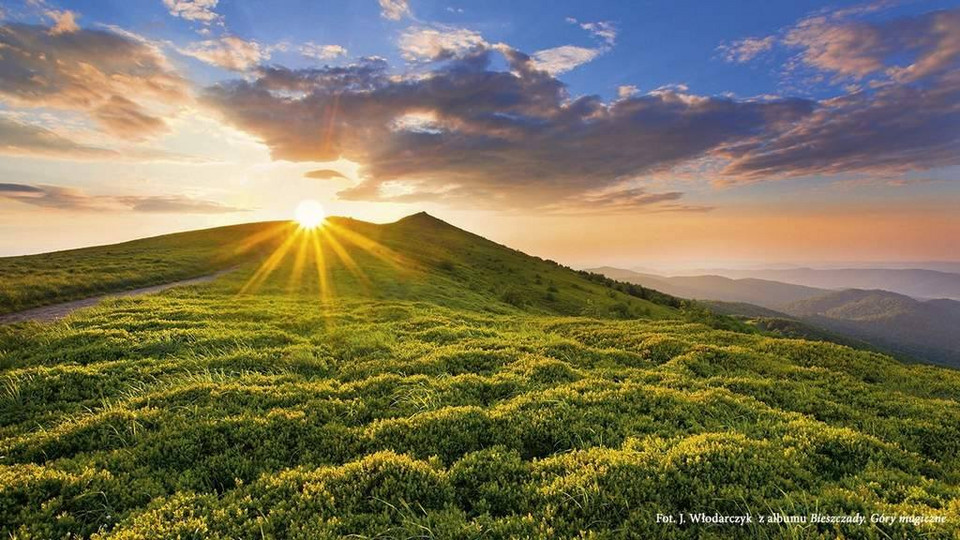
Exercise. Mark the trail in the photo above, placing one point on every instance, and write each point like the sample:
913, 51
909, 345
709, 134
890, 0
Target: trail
59, 311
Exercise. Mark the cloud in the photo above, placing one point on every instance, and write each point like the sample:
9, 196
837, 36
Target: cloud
458, 131
18, 190
422, 43
500, 138
745, 50
851, 49
605, 31
175, 204
562, 59
899, 112
64, 22
230, 52
18, 138
395, 9
127, 119
95, 72
903, 118
627, 90
624, 200
324, 174
47, 196
193, 10
895, 129
63, 198
322, 52
842, 43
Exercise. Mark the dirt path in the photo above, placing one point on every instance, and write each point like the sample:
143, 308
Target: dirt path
59, 311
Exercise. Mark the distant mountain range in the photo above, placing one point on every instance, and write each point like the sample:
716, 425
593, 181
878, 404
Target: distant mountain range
899, 324
762, 292
918, 283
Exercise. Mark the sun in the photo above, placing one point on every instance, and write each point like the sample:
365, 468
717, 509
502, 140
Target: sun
309, 214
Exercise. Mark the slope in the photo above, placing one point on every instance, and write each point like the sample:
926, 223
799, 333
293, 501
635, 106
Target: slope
48, 278
414, 380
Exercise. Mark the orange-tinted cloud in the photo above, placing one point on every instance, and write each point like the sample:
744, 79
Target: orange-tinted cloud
116, 79
230, 52
324, 174
64, 198
18, 138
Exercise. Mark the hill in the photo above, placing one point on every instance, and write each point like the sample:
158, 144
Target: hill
918, 283
760, 292
922, 329
415, 380
781, 324
36, 280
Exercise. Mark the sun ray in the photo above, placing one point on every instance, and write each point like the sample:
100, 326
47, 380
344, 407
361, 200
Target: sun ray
261, 237
296, 273
374, 248
271, 263
346, 259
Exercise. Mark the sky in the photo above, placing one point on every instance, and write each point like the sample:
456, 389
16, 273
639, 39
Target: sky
635, 133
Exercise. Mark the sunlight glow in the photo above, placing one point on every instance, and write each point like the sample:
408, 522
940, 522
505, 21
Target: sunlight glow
309, 214
330, 245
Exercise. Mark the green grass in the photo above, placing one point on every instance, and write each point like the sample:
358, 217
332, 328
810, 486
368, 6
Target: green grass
36, 280
470, 392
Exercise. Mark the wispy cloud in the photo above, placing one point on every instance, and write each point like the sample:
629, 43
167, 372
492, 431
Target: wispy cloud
438, 42
557, 60
899, 116
747, 49
847, 46
64, 22
322, 52
193, 10
562, 59
19, 138
625, 200
395, 9
606, 31
64, 198
229, 52
324, 174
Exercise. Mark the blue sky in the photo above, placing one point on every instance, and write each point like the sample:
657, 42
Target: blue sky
658, 43
682, 116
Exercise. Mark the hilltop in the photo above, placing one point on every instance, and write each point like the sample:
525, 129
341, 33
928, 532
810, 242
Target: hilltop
416, 380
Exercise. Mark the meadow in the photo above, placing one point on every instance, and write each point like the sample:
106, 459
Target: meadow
413, 380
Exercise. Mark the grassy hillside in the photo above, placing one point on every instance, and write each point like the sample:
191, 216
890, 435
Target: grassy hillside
426, 383
35, 280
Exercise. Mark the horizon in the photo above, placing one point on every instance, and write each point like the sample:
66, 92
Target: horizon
676, 136
665, 269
